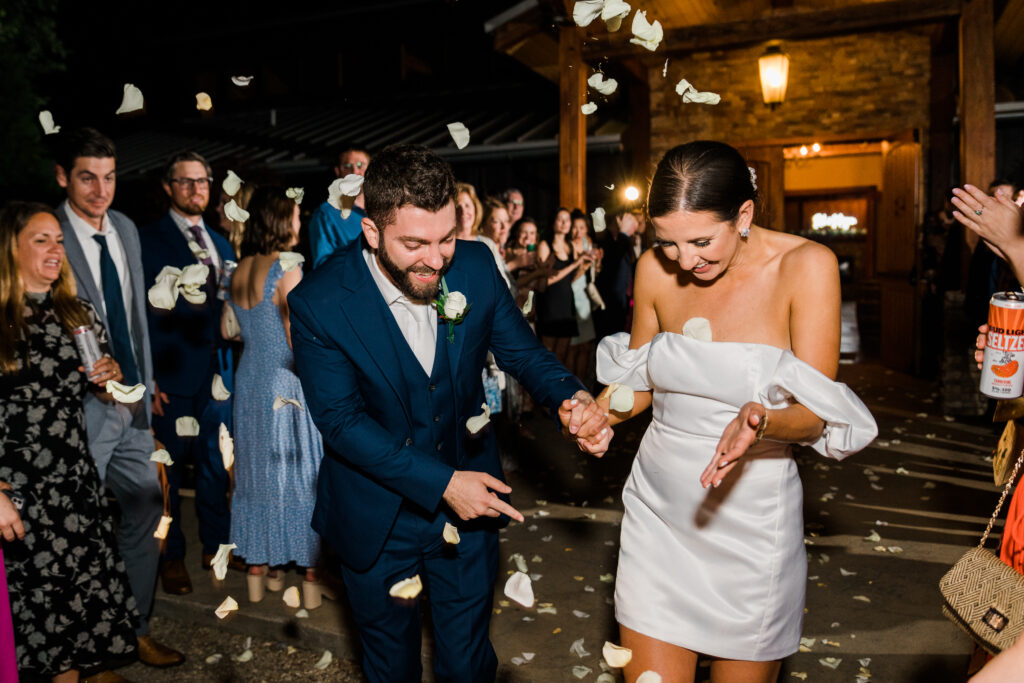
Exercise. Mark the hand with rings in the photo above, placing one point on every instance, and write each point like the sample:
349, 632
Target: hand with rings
997, 220
103, 370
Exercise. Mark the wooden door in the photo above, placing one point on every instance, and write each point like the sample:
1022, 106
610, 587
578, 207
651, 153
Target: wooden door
769, 165
895, 249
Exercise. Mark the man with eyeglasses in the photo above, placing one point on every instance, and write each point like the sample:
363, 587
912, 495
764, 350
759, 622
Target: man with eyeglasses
328, 231
513, 199
188, 352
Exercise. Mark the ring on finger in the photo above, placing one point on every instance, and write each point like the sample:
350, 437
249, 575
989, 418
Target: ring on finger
977, 212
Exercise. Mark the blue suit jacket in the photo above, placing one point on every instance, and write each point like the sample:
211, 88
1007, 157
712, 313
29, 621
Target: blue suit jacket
329, 232
347, 356
182, 339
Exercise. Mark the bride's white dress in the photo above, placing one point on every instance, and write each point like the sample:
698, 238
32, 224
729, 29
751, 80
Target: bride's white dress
721, 571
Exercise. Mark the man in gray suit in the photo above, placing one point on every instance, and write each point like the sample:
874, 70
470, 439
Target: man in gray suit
102, 247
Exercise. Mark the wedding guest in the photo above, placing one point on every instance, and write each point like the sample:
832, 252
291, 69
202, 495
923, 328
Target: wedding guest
582, 342
522, 262
188, 352
513, 200
556, 311
102, 250
468, 212
70, 598
328, 230
616, 274
277, 448
494, 227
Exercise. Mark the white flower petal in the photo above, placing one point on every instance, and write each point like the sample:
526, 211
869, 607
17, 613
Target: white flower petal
802, 675
302, 614
602, 85
132, 100
342, 192
580, 614
186, 426
164, 294
577, 649
585, 11
664, 69
227, 446
873, 537
125, 394
605, 678
194, 275
235, 213
862, 598
162, 527
295, 193
649, 677
697, 328
598, 216
620, 397
459, 133
615, 655
450, 534
289, 260
847, 573
193, 295
701, 97
219, 564
588, 108
528, 304
291, 597
407, 589
161, 455
324, 661
520, 588
214, 658
231, 184
646, 34
241, 81
613, 12
203, 101
46, 121
478, 422
581, 672
280, 402
229, 605
244, 657
218, 390
830, 662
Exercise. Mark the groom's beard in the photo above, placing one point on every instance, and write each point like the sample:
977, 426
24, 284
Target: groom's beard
403, 280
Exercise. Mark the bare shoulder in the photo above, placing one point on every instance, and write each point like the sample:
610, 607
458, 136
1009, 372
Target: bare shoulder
653, 266
803, 260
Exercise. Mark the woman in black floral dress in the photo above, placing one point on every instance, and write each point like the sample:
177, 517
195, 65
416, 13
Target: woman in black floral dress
70, 599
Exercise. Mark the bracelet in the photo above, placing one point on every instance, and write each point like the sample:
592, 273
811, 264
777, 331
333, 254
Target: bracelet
761, 427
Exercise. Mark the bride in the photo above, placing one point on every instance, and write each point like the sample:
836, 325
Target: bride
712, 557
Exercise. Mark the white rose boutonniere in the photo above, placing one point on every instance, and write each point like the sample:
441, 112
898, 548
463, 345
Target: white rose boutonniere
452, 308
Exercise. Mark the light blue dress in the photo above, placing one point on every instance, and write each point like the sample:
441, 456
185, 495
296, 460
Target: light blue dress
277, 452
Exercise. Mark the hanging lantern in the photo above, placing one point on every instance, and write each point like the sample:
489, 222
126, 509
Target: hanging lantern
774, 67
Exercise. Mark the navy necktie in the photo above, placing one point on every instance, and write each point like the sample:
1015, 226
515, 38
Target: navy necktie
117, 320
211, 279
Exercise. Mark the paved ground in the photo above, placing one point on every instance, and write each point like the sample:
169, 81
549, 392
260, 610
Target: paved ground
924, 487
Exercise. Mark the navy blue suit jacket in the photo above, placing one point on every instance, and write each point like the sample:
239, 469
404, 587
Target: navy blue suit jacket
183, 339
346, 345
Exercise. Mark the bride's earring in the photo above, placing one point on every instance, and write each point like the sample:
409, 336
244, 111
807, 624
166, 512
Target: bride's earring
745, 232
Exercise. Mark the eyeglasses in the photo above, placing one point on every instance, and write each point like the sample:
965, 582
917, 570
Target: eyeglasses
189, 183
352, 165
516, 202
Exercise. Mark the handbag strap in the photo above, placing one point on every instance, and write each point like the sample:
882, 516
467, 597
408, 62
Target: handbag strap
1002, 498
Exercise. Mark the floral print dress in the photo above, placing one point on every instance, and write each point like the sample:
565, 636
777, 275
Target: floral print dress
70, 598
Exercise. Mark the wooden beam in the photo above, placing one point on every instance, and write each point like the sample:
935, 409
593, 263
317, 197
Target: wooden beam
977, 96
572, 127
872, 16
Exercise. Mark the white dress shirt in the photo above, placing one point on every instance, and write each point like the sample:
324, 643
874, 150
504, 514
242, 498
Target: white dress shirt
91, 248
184, 223
417, 321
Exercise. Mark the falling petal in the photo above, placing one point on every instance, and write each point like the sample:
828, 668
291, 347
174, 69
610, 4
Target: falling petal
606, 578
235, 213
407, 589
620, 397
231, 184
519, 588
215, 658
902, 470
220, 560
802, 675
602, 85
580, 614
862, 598
846, 573
613, 12
302, 614
577, 649
282, 402
646, 34
325, 660
598, 217
547, 610
162, 527
227, 446
161, 455
244, 657
229, 605
46, 121
873, 537
581, 672
193, 295
342, 192
478, 422
615, 655
164, 294
295, 193
610, 187
125, 394
664, 70
450, 534
186, 426
830, 662
519, 561
459, 133
528, 304
585, 11
697, 328
203, 101
241, 81
291, 597
132, 100
588, 108
218, 390
289, 260
649, 677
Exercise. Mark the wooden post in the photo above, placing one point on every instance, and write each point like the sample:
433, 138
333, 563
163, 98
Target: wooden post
572, 127
977, 96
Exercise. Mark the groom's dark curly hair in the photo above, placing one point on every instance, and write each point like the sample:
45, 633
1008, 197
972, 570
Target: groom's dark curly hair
406, 174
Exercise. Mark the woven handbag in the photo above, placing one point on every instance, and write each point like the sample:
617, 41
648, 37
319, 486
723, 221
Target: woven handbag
983, 595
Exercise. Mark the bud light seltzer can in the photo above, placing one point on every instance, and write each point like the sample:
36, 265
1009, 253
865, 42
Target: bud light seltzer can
1002, 374
88, 348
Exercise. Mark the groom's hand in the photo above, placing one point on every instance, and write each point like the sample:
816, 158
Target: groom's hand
585, 420
470, 495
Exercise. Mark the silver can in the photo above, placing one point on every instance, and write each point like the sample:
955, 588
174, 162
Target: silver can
88, 348
1002, 373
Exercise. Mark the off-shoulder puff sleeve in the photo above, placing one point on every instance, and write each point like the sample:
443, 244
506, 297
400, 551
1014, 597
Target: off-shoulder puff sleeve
849, 426
616, 362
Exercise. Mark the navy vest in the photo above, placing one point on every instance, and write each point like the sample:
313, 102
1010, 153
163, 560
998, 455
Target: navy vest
432, 400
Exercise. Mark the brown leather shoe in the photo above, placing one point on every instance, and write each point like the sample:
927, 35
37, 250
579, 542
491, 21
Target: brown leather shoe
152, 653
105, 677
233, 563
174, 577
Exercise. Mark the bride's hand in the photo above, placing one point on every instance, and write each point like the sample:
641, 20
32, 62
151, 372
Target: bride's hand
739, 435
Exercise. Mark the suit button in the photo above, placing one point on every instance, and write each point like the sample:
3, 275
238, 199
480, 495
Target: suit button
437, 418
433, 387
438, 448
408, 442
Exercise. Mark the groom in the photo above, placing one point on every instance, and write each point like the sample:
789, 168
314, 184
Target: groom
390, 384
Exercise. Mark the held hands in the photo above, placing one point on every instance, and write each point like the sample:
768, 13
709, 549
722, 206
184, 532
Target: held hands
585, 420
10, 520
471, 495
739, 435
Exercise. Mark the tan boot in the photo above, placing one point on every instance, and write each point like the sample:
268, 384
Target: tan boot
255, 583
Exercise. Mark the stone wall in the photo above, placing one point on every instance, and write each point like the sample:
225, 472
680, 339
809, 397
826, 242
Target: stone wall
867, 83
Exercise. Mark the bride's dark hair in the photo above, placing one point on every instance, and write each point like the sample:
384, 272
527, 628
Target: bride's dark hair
703, 175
